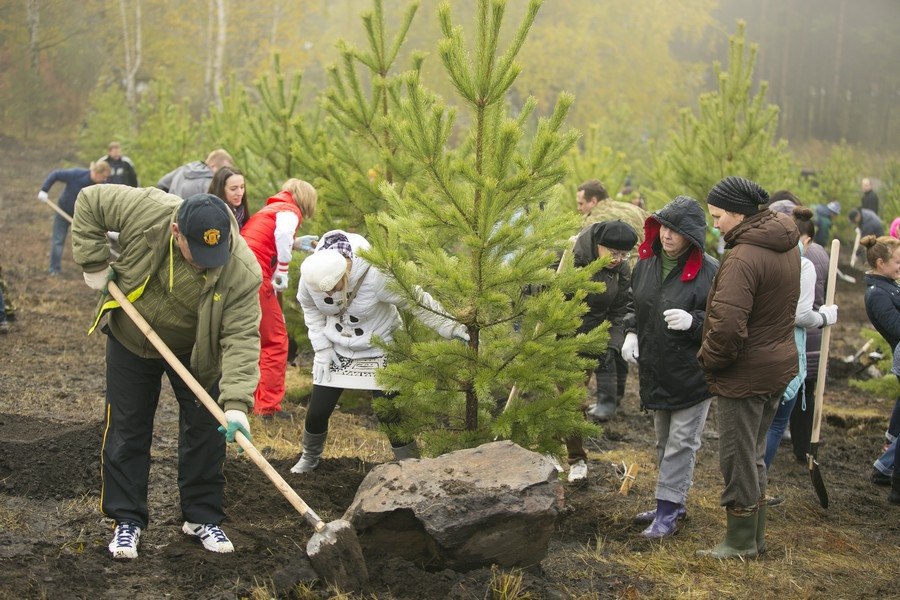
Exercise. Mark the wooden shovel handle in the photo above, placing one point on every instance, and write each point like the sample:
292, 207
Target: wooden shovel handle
213, 407
58, 210
826, 340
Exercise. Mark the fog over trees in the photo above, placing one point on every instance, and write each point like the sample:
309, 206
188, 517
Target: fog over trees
830, 63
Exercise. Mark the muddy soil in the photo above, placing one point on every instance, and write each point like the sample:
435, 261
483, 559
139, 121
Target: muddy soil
53, 538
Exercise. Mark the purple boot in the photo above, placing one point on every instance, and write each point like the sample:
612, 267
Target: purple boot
666, 521
647, 517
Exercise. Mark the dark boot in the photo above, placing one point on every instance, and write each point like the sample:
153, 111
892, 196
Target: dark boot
894, 495
647, 517
410, 450
879, 478
762, 509
313, 446
740, 537
666, 521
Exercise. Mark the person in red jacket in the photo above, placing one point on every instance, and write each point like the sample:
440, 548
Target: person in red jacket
270, 235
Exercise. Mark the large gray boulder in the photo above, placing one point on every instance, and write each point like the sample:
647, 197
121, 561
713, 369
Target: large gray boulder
495, 504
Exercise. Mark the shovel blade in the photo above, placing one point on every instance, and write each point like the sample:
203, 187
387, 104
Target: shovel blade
337, 557
815, 475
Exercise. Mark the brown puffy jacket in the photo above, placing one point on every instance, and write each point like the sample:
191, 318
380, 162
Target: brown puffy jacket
748, 344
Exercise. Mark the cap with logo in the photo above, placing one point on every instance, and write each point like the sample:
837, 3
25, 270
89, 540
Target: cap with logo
205, 222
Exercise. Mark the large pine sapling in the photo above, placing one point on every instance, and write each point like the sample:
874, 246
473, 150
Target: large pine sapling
470, 232
353, 149
732, 133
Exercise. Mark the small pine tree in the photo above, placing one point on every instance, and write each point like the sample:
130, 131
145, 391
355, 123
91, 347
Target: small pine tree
732, 133
167, 137
271, 128
470, 232
596, 161
107, 119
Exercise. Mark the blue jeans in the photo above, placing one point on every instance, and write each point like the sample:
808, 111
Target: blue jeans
779, 424
886, 461
58, 243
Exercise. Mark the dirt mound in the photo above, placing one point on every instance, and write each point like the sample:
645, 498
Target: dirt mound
48, 459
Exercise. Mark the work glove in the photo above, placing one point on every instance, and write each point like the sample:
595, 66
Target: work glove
98, 280
237, 421
630, 348
829, 313
460, 333
322, 364
280, 279
678, 319
42, 196
305, 242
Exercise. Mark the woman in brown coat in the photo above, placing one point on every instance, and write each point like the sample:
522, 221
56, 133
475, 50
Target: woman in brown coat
748, 351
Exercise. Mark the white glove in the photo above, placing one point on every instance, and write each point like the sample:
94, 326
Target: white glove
322, 364
280, 280
237, 421
678, 319
99, 279
829, 311
42, 196
630, 348
305, 242
459, 332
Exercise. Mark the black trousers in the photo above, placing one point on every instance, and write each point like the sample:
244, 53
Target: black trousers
322, 403
133, 385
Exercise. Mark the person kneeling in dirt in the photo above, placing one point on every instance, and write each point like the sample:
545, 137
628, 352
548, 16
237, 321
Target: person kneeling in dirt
670, 285
345, 303
748, 350
187, 270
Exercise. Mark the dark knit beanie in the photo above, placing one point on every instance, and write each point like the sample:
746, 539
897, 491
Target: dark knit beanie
738, 195
616, 235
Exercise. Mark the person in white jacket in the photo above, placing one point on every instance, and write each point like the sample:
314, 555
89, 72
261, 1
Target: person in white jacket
346, 302
806, 318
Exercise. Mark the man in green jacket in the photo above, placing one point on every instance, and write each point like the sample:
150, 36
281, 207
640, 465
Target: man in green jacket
189, 273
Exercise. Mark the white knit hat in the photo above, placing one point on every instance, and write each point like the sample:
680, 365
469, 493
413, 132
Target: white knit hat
323, 270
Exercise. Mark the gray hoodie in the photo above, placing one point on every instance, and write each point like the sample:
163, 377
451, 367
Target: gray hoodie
187, 180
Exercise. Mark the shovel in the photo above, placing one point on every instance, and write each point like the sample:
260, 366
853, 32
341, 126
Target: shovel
855, 248
812, 458
334, 549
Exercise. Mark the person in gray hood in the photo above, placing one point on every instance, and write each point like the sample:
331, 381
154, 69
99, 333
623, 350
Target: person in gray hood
670, 285
194, 177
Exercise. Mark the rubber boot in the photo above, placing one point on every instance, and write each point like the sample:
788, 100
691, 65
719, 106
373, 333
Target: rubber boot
666, 521
604, 409
740, 537
410, 450
647, 517
762, 509
313, 445
894, 495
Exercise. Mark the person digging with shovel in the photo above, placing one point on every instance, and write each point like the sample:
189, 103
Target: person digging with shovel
188, 272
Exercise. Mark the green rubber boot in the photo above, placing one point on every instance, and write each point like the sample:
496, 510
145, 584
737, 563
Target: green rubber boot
761, 526
740, 537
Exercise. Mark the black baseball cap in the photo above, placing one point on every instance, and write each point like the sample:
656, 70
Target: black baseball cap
205, 222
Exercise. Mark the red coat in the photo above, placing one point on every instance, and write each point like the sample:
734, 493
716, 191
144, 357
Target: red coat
259, 231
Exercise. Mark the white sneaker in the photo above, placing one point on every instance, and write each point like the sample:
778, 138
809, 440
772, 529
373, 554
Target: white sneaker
578, 471
212, 536
125, 540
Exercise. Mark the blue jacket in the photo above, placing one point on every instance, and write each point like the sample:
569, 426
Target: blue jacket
883, 307
75, 179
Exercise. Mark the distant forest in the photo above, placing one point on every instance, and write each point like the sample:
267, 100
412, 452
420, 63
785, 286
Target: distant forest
831, 64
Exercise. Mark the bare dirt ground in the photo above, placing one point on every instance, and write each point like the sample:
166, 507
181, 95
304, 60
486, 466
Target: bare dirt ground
53, 538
